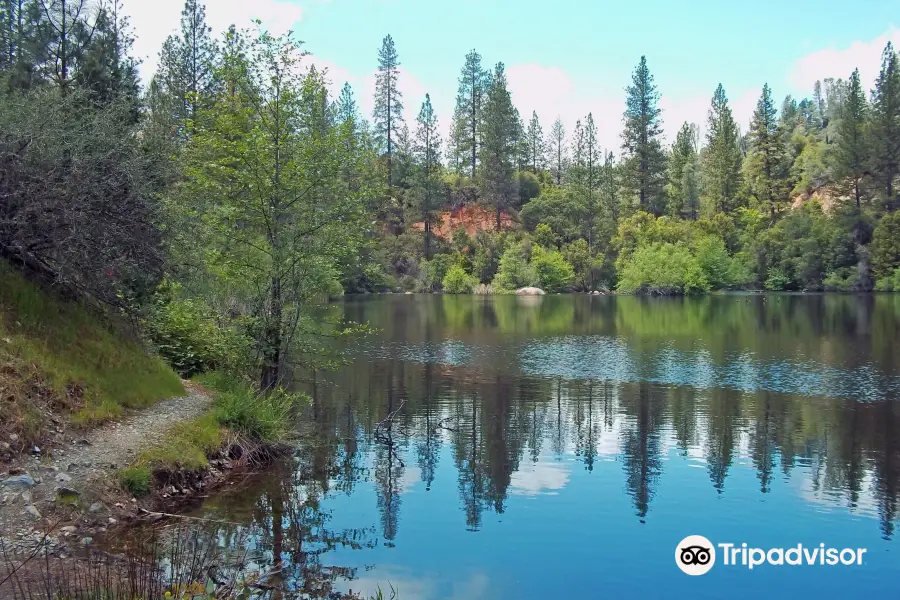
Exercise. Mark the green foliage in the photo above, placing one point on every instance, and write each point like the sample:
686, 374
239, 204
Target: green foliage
434, 271
810, 169
529, 186
189, 336
136, 479
885, 246
544, 236
663, 268
457, 281
891, 283
720, 270
90, 366
514, 272
553, 273
558, 208
578, 255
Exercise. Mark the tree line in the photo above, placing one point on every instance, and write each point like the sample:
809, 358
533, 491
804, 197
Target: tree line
219, 203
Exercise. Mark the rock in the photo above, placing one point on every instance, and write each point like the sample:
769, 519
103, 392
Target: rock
63, 478
5, 446
86, 541
32, 511
97, 507
18, 482
68, 529
530, 291
26, 496
66, 491
111, 521
13, 438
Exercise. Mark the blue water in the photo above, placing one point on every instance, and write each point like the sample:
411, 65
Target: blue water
489, 448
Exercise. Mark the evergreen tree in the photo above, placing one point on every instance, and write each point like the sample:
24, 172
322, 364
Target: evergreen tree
852, 156
534, 138
609, 190
498, 145
722, 159
886, 125
557, 149
683, 154
765, 157
643, 155
23, 42
592, 156
427, 149
346, 110
474, 82
388, 114
187, 65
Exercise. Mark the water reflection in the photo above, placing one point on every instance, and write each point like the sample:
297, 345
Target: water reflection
577, 402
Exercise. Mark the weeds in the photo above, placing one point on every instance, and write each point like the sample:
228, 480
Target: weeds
58, 355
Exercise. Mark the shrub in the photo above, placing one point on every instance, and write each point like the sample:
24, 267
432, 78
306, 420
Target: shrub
662, 269
885, 246
777, 280
136, 479
434, 271
514, 272
457, 281
720, 269
544, 236
265, 418
554, 274
890, 283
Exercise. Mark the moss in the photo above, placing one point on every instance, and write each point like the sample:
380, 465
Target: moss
63, 352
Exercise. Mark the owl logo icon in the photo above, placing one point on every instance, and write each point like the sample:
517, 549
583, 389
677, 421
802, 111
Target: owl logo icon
695, 555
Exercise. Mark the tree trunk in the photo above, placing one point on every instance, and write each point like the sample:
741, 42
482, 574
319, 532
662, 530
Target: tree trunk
271, 351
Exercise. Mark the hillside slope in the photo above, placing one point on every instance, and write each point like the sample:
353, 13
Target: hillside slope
60, 364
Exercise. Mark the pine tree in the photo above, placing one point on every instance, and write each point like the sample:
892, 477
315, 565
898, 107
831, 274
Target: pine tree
609, 189
388, 114
535, 140
187, 66
346, 110
886, 125
474, 82
24, 42
765, 156
722, 160
427, 150
498, 145
682, 155
852, 155
644, 158
592, 156
557, 148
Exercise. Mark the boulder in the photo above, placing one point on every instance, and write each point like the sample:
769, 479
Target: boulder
530, 291
18, 482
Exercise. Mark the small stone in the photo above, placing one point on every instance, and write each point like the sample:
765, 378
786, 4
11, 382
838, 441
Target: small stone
68, 529
97, 507
111, 521
32, 511
134, 500
5, 446
26, 496
66, 491
49, 469
13, 437
63, 478
18, 482
35, 450
86, 541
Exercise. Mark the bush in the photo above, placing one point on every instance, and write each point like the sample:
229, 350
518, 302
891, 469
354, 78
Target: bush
265, 418
889, 284
544, 236
554, 274
846, 279
662, 269
136, 479
777, 280
434, 271
457, 281
885, 246
514, 272
721, 270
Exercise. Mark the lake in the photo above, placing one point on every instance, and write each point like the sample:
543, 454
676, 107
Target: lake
563, 447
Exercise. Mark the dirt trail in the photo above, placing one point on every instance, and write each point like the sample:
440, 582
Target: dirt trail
81, 467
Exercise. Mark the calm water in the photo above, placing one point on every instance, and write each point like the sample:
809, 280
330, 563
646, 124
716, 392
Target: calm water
561, 447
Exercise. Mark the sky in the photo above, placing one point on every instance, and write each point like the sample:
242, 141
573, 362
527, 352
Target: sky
567, 57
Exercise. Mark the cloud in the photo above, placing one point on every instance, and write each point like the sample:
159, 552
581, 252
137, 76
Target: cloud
552, 93
839, 63
154, 20
540, 479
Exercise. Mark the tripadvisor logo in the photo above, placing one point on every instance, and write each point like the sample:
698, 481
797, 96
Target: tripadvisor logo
696, 555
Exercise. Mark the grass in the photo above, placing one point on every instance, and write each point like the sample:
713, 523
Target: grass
57, 354
239, 415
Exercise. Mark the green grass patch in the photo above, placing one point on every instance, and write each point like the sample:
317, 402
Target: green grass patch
86, 364
136, 479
